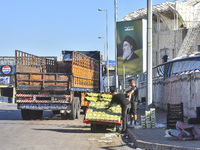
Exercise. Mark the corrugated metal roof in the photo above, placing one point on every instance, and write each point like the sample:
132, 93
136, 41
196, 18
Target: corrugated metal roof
142, 13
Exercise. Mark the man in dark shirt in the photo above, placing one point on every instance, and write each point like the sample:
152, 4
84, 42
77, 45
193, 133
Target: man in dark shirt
133, 94
125, 105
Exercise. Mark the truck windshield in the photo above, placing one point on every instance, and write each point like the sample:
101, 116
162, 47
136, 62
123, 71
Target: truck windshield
67, 57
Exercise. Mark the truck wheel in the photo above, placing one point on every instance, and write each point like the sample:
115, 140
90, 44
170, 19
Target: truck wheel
73, 110
77, 108
33, 114
25, 114
78, 111
39, 114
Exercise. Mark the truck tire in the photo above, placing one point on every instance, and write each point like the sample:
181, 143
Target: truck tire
39, 114
35, 114
25, 113
78, 110
73, 109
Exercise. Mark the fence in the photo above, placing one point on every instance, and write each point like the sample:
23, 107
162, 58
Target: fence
7, 60
174, 68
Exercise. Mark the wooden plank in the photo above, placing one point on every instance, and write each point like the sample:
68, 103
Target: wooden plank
44, 80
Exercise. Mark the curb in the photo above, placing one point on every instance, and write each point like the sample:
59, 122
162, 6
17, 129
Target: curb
156, 146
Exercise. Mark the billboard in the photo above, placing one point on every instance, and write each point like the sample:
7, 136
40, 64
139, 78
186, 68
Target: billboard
131, 46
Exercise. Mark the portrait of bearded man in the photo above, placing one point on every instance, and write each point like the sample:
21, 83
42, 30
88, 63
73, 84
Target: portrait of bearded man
129, 46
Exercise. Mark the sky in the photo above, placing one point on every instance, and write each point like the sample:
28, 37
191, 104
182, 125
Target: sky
46, 27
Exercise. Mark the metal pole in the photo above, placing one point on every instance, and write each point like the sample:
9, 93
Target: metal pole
116, 76
124, 78
104, 49
107, 48
176, 21
149, 55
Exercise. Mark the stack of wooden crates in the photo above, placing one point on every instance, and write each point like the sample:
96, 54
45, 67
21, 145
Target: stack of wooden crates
175, 113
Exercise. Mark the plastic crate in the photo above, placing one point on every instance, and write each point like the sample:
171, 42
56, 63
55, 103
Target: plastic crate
175, 113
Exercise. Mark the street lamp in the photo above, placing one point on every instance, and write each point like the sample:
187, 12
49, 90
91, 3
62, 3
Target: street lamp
149, 55
106, 44
116, 77
104, 57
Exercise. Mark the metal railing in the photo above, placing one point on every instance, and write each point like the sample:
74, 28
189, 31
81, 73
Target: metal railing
7, 60
174, 68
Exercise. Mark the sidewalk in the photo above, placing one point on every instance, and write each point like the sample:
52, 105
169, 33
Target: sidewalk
154, 139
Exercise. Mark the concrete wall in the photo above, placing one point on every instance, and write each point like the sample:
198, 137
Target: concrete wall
168, 43
183, 88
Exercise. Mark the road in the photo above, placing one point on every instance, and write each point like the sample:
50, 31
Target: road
52, 133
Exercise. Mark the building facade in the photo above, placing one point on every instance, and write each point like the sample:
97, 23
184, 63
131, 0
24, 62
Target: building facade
175, 29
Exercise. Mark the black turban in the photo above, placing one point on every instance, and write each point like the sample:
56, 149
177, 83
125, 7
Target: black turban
131, 41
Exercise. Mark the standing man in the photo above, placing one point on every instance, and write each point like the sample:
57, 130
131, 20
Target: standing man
125, 105
133, 93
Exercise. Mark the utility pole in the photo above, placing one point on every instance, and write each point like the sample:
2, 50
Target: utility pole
149, 56
108, 89
107, 49
116, 76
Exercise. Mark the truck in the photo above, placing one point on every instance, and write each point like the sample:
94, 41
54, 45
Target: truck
47, 84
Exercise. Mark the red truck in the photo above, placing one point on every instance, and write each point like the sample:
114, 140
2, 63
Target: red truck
60, 86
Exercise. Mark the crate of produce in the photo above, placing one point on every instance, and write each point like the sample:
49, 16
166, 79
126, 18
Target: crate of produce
96, 113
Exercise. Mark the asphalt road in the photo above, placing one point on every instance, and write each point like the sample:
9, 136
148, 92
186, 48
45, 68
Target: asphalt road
52, 133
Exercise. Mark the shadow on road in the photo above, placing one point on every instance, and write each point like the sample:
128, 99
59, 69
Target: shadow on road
10, 115
115, 147
66, 130
80, 129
